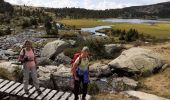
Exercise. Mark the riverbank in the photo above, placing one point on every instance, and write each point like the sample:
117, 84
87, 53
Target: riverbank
158, 30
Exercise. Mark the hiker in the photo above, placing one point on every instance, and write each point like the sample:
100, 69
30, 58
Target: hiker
27, 58
80, 70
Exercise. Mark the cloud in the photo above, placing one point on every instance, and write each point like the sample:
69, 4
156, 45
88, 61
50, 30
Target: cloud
88, 4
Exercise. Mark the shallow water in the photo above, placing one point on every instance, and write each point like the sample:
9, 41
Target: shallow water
93, 30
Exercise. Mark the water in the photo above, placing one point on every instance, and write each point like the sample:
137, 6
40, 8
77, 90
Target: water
93, 30
134, 21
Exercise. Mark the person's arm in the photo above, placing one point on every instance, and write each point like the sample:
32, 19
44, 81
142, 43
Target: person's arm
74, 67
74, 71
35, 59
21, 56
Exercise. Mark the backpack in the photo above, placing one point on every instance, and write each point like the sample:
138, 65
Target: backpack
76, 55
20, 58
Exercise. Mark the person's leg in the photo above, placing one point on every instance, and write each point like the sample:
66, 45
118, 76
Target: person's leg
26, 78
34, 77
85, 86
76, 89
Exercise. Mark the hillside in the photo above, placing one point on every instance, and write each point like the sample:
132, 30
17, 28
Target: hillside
160, 10
5, 7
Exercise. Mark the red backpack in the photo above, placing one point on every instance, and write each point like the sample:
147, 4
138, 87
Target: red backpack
76, 55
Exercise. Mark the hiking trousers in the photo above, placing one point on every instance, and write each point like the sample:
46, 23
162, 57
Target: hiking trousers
77, 88
26, 73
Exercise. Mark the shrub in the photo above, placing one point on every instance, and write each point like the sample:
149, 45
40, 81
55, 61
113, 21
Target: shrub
71, 51
26, 23
93, 89
96, 46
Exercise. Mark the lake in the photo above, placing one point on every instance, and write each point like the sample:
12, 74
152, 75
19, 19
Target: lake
134, 21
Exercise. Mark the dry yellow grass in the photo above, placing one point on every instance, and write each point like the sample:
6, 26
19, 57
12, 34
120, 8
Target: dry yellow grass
79, 23
112, 96
158, 84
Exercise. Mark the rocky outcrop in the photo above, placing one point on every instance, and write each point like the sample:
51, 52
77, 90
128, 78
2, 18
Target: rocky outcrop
9, 66
137, 60
44, 61
52, 49
99, 70
58, 77
62, 59
116, 84
112, 48
124, 83
2, 55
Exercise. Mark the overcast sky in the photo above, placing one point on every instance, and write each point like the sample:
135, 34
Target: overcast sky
88, 4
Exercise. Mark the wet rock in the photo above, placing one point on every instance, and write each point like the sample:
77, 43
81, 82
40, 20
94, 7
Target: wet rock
138, 60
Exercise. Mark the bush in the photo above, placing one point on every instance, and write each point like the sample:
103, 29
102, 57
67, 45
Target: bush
96, 46
26, 23
71, 51
34, 21
93, 89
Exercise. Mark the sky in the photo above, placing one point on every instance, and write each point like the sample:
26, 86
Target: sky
87, 4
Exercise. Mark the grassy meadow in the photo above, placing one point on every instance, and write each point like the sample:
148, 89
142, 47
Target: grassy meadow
156, 30
84, 23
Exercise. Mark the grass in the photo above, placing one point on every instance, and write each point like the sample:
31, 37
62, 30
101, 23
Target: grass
84, 23
157, 30
158, 84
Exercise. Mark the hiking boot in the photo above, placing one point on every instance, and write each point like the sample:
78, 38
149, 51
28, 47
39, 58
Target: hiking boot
83, 99
26, 92
76, 98
39, 91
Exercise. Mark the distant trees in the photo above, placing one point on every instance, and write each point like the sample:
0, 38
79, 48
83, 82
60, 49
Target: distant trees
130, 35
6, 7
